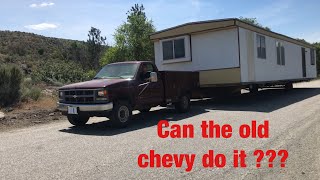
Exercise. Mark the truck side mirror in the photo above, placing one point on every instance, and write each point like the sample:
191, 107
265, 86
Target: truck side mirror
153, 77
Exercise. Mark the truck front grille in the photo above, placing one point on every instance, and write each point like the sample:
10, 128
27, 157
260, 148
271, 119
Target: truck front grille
79, 92
79, 96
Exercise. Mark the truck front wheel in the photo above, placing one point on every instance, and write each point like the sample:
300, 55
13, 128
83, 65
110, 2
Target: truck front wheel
77, 120
184, 104
121, 114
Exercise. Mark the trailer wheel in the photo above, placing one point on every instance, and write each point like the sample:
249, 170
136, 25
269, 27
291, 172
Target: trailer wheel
184, 104
78, 120
121, 114
288, 86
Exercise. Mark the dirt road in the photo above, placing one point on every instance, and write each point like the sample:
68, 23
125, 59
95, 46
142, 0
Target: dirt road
97, 151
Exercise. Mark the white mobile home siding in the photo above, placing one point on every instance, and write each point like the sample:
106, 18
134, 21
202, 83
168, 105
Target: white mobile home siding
260, 70
229, 56
210, 50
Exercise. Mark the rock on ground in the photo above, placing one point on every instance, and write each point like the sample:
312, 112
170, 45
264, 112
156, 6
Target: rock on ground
2, 115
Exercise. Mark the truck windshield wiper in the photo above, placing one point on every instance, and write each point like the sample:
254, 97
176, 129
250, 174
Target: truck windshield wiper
98, 78
109, 77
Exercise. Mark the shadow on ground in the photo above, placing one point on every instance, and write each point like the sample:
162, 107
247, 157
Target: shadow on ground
267, 100
139, 121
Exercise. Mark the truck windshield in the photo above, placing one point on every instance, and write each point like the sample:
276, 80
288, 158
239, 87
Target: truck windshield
113, 71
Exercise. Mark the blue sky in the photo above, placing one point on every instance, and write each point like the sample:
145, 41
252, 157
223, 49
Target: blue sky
71, 19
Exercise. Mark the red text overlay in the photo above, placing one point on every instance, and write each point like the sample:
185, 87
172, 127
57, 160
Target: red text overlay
212, 159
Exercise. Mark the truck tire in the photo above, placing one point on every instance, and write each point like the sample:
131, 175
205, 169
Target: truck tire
183, 105
144, 110
78, 120
121, 114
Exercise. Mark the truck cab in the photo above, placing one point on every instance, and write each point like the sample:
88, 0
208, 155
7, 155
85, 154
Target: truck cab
117, 90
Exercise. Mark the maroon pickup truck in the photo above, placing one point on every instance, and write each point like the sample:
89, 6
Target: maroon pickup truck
120, 88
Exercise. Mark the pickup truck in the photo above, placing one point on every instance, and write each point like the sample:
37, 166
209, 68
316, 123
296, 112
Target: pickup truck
120, 88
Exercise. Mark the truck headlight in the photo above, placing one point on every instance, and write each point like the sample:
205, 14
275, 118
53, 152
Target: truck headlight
60, 93
103, 93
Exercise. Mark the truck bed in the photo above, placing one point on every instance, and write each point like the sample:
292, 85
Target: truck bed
177, 83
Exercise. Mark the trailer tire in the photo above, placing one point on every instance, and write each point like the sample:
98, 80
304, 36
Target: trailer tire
183, 105
78, 120
288, 86
121, 114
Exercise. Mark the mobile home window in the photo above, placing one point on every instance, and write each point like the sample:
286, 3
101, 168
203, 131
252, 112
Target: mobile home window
280, 54
173, 49
261, 47
167, 50
313, 57
179, 51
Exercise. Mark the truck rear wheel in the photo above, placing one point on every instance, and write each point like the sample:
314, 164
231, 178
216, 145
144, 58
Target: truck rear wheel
78, 120
184, 104
121, 114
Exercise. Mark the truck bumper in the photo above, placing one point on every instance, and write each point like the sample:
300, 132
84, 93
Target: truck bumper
86, 107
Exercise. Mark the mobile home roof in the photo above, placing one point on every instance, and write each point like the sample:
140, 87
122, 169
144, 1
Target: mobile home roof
204, 26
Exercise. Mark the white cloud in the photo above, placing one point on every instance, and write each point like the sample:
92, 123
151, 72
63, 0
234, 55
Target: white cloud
42, 26
33, 5
44, 4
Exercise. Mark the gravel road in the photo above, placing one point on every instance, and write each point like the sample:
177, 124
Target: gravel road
97, 151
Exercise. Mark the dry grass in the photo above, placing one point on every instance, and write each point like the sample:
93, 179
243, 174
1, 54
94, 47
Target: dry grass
42, 103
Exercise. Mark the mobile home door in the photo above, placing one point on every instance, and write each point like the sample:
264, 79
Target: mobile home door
303, 52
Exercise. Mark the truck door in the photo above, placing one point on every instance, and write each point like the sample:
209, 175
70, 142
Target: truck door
149, 93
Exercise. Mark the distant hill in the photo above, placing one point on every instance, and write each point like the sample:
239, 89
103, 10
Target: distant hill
28, 50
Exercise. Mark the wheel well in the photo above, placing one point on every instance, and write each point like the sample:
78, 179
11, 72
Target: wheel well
127, 99
187, 92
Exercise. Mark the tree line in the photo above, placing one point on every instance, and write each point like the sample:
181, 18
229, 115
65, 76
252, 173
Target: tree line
131, 40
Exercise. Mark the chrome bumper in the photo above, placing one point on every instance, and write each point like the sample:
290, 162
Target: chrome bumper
86, 107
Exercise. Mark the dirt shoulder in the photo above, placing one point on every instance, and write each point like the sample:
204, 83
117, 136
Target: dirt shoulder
29, 114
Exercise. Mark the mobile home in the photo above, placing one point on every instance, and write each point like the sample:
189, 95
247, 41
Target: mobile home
230, 52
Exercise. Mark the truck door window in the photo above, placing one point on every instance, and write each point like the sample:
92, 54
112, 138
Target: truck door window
145, 71
150, 68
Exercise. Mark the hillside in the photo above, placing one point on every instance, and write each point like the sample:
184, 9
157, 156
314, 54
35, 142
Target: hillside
28, 50
44, 62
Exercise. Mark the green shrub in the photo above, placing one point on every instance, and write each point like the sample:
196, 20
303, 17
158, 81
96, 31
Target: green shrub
27, 83
90, 74
29, 91
10, 84
40, 52
33, 93
54, 71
